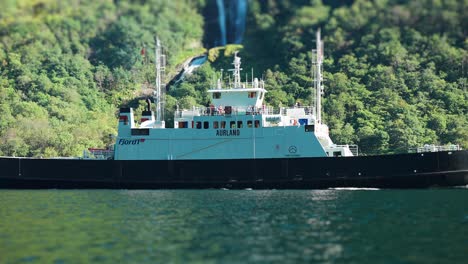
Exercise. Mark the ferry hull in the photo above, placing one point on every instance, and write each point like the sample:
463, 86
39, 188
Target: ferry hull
418, 170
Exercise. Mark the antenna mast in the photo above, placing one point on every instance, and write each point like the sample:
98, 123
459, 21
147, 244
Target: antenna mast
159, 93
236, 70
317, 60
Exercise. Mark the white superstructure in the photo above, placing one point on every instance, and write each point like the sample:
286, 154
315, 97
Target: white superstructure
236, 125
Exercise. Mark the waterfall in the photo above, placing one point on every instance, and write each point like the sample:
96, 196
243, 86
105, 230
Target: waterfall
224, 22
221, 23
237, 15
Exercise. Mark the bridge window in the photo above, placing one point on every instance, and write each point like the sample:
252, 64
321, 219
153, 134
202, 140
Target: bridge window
206, 125
215, 124
198, 125
232, 124
239, 124
216, 95
249, 123
223, 124
257, 123
252, 94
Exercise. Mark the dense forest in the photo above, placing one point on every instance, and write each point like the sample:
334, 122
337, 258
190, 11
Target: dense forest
395, 71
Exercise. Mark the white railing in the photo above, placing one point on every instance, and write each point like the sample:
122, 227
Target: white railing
243, 85
353, 148
435, 148
95, 153
249, 110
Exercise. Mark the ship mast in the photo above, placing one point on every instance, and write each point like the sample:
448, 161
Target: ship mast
158, 93
317, 60
236, 70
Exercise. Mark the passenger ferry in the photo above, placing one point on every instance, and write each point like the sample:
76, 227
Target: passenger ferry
235, 142
237, 125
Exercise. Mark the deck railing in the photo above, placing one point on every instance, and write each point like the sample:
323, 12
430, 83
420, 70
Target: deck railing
435, 148
234, 111
353, 148
96, 153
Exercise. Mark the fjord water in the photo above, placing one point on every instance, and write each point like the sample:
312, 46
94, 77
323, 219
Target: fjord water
228, 226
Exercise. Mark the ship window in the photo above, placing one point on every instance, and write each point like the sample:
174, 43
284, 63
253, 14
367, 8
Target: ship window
223, 124
232, 124
239, 124
257, 123
215, 124
249, 123
206, 125
183, 124
336, 153
198, 125
140, 131
216, 95
252, 94
309, 128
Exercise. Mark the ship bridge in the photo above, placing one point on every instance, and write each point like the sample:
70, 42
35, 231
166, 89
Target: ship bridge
238, 94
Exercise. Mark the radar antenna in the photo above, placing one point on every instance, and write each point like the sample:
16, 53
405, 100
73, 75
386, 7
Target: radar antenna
236, 70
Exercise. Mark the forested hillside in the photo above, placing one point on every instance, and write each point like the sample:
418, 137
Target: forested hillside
395, 71
66, 67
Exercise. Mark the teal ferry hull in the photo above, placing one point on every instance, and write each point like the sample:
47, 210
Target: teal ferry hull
416, 170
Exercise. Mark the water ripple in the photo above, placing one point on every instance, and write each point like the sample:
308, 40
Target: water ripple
248, 226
